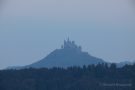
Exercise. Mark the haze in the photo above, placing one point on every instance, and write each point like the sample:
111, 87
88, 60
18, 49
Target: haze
31, 29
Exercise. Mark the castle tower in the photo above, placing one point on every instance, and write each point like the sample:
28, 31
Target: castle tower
70, 45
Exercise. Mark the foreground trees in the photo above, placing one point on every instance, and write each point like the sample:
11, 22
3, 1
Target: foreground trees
99, 77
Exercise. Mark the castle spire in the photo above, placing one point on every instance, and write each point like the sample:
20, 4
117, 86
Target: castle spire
68, 39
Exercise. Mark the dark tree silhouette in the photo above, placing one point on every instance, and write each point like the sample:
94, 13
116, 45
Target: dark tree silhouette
91, 77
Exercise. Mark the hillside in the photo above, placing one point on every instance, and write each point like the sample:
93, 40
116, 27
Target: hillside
68, 55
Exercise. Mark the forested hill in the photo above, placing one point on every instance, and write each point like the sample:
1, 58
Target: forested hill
99, 77
70, 54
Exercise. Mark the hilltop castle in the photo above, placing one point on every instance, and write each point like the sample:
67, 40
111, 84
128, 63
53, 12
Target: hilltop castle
71, 45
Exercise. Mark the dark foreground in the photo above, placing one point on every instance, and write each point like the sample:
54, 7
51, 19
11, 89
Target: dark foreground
100, 77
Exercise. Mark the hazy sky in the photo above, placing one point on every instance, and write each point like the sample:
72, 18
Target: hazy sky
31, 29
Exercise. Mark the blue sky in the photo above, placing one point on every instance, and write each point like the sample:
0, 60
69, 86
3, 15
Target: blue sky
31, 29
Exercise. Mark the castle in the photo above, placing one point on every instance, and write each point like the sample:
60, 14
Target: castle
70, 45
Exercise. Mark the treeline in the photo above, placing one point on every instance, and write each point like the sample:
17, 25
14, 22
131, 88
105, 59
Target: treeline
92, 77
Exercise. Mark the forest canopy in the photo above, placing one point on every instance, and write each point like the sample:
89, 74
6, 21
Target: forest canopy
91, 77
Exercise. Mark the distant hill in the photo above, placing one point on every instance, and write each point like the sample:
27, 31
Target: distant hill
121, 64
68, 55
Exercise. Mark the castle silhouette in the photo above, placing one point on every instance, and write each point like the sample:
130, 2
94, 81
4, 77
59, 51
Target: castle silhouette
71, 45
